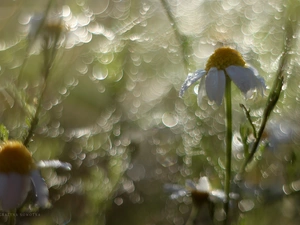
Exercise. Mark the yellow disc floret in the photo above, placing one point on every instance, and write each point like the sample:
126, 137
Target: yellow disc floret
223, 58
15, 157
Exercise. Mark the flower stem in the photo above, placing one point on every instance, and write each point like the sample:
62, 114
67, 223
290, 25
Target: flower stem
49, 56
31, 43
35, 119
49, 53
228, 109
182, 39
271, 103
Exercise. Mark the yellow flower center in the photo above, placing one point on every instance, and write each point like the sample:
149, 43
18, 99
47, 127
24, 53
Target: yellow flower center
224, 57
15, 157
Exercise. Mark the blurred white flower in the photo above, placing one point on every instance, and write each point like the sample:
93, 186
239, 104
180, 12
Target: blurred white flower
200, 192
224, 62
277, 137
46, 30
279, 133
17, 171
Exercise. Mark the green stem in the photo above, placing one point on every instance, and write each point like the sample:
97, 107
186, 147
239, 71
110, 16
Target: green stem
35, 118
247, 113
31, 43
271, 103
182, 39
291, 29
48, 61
228, 109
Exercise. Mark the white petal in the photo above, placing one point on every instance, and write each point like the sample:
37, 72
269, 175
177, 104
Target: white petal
260, 84
15, 191
254, 70
190, 185
246, 79
180, 193
201, 91
243, 78
173, 187
217, 196
192, 78
215, 85
40, 187
220, 196
3, 184
203, 184
54, 164
176, 190
36, 22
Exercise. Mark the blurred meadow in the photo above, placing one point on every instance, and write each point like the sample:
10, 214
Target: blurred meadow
110, 106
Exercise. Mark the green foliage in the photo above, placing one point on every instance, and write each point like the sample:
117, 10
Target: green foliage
4, 133
100, 94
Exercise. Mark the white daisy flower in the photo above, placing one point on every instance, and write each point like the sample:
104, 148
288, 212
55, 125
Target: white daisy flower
224, 62
279, 134
200, 192
47, 30
17, 171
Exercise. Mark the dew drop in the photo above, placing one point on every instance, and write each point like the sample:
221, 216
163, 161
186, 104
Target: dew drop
99, 72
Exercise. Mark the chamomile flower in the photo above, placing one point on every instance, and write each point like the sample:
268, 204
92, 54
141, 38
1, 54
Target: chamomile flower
17, 171
200, 192
224, 62
46, 29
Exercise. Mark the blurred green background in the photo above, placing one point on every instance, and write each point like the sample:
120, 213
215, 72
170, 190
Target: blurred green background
112, 110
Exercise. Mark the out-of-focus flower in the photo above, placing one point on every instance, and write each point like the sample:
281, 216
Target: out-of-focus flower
48, 29
224, 62
200, 192
17, 171
279, 133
